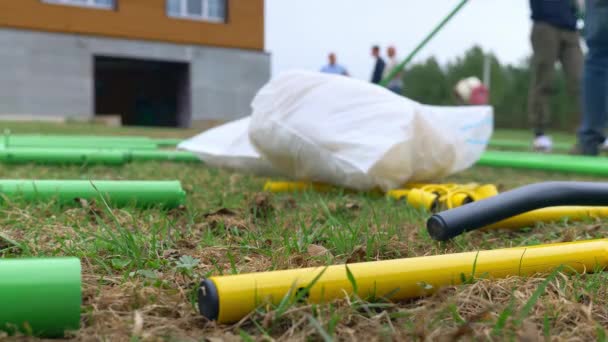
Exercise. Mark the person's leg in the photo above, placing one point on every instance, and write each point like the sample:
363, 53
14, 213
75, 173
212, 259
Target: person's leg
595, 85
545, 44
571, 58
595, 79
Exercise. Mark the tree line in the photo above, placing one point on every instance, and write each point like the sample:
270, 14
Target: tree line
431, 83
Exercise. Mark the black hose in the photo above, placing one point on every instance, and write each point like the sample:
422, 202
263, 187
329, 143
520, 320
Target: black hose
450, 223
208, 300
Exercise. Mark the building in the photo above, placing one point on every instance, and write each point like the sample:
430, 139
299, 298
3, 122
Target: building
154, 62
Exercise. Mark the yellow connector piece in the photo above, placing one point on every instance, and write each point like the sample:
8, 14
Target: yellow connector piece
421, 199
468, 193
415, 198
485, 191
429, 196
400, 194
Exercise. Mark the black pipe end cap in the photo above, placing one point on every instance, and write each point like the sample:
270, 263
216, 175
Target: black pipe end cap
438, 229
208, 300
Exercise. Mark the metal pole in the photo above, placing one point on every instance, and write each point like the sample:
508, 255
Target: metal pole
487, 71
412, 54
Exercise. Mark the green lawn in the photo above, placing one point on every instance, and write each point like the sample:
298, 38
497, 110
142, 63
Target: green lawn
131, 264
91, 129
527, 136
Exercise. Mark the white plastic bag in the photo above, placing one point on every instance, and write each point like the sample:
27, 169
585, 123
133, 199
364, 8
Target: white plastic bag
346, 132
228, 146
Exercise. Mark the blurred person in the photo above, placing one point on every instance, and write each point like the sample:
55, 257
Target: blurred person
378, 66
396, 83
333, 67
554, 37
595, 80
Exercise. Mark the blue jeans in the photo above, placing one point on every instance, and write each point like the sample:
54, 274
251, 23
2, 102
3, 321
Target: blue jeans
595, 78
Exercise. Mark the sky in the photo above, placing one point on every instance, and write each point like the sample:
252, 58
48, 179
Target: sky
300, 33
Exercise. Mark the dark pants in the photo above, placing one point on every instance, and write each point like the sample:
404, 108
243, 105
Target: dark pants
595, 98
552, 44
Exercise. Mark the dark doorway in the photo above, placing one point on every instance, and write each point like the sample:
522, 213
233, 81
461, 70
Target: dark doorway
143, 92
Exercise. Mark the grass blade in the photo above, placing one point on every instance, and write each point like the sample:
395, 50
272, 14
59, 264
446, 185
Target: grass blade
320, 329
352, 280
525, 311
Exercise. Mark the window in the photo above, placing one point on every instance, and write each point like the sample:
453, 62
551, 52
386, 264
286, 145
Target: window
210, 10
107, 4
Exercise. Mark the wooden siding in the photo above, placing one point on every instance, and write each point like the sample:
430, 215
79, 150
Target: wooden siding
142, 20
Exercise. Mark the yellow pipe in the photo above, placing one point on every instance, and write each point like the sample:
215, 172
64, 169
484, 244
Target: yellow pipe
280, 186
295, 186
440, 189
230, 298
418, 195
553, 214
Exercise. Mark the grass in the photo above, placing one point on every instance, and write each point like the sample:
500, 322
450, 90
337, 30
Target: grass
141, 267
527, 136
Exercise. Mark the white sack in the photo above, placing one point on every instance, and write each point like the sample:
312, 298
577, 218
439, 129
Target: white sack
338, 130
228, 146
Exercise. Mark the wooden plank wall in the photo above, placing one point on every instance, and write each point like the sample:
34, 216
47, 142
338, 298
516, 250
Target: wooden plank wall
141, 19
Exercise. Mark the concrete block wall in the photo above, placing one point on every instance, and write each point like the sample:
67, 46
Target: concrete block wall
52, 74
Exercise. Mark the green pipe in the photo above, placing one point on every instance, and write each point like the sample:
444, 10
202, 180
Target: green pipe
160, 155
167, 142
121, 138
58, 141
85, 136
90, 156
41, 297
167, 194
412, 54
523, 145
140, 142
79, 144
62, 156
545, 162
